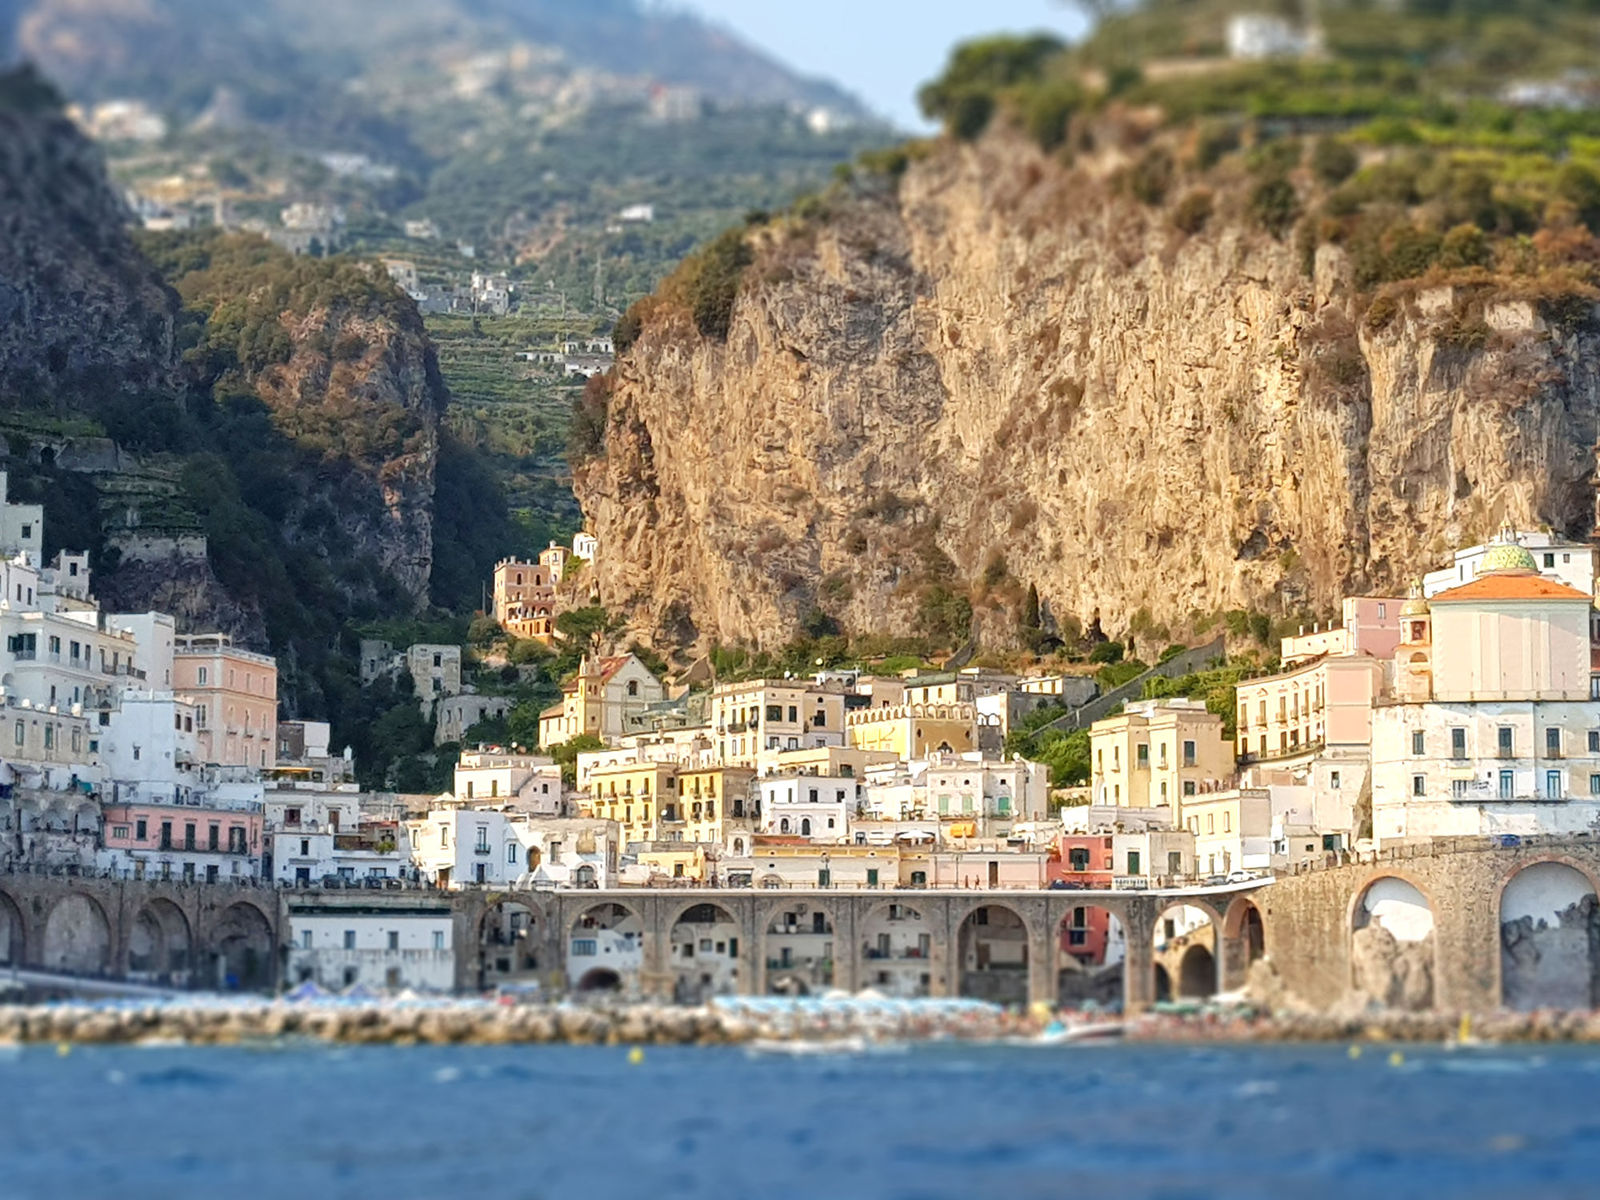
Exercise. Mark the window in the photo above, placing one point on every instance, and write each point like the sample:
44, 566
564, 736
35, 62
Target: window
1188, 787
1458, 743
120, 832
1549, 561
1211, 822
1552, 785
774, 712
511, 854
305, 939
1504, 742
21, 734
581, 947
1227, 822
1383, 611
1333, 780
1188, 754
438, 939
1508, 784
794, 714
394, 939
1552, 742
1144, 756
1594, 741
200, 677
140, 829
1133, 862
1419, 785
349, 939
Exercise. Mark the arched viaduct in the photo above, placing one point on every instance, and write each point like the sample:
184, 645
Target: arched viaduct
175, 934
1470, 925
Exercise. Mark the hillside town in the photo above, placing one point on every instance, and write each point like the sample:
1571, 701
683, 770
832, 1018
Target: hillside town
1469, 708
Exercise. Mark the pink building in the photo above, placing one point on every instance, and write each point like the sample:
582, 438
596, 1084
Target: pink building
215, 840
1371, 626
235, 693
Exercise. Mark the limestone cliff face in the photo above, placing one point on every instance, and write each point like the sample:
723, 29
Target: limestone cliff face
363, 386
1006, 371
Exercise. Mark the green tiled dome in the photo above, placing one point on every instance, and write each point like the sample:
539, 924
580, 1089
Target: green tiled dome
1507, 556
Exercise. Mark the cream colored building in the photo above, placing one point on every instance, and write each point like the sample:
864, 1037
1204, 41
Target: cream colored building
1492, 728
755, 722
912, 731
1292, 717
600, 701
1232, 830
520, 782
1158, 752
235, 694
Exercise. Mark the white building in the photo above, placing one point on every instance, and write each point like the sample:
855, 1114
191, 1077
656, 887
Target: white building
386, 950
521, 782
585, 546
819, 807
1572, 563
1492, 728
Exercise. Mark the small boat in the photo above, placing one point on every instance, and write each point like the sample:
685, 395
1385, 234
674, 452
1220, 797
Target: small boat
1057, 1033
809, 1049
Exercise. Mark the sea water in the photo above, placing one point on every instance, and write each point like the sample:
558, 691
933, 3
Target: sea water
914, 1122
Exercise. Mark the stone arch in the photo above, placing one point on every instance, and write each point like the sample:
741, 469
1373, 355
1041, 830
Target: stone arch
1549, 937
1163, 984
242, 940
13, 933
799, 943
1392, 943
608, 936
77, 936
160, 943
511, 938
993, 953
1092, 946
599, 979
1244, 941
1197, 973
1180, 928
703, 947
897, 942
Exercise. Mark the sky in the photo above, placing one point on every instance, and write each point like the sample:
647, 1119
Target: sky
882, 50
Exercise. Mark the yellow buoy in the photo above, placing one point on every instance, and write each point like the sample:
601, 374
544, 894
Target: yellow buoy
636, 1056
1355, 1051
1396, 1059
63, 1049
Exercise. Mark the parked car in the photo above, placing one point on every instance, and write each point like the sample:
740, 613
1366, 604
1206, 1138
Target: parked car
1215, 880
1240, 876
373, 883
332, 881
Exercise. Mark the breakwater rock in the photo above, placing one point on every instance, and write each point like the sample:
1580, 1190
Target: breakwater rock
733, 1021
1437, 1028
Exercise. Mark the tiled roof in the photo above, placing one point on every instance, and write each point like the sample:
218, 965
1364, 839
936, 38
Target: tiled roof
1510, 587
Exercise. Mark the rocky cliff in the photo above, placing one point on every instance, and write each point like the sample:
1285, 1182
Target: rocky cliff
80, 309
1001, 368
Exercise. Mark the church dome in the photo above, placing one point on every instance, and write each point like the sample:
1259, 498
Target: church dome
1506, 553
1415, 605
1507, 556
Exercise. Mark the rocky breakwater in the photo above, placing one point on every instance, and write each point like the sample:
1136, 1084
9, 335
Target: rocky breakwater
999, 368
477, 1023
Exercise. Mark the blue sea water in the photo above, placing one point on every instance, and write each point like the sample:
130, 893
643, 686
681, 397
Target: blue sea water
925, 1122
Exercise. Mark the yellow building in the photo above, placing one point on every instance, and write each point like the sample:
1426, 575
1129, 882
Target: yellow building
712, 801
847, 762
913, 731
1156, 753
633, 795
606, 694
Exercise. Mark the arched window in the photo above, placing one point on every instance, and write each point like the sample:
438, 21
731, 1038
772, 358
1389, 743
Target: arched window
805, 826
783, 825
633, 687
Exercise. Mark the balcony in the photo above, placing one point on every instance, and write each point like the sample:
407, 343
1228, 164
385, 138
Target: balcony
482, 851
737, 727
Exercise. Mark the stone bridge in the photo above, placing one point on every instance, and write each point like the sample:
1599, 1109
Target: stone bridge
169, 933
1465, 925
1012, 946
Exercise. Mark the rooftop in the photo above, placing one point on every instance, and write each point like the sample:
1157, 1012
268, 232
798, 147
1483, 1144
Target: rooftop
1509, 586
